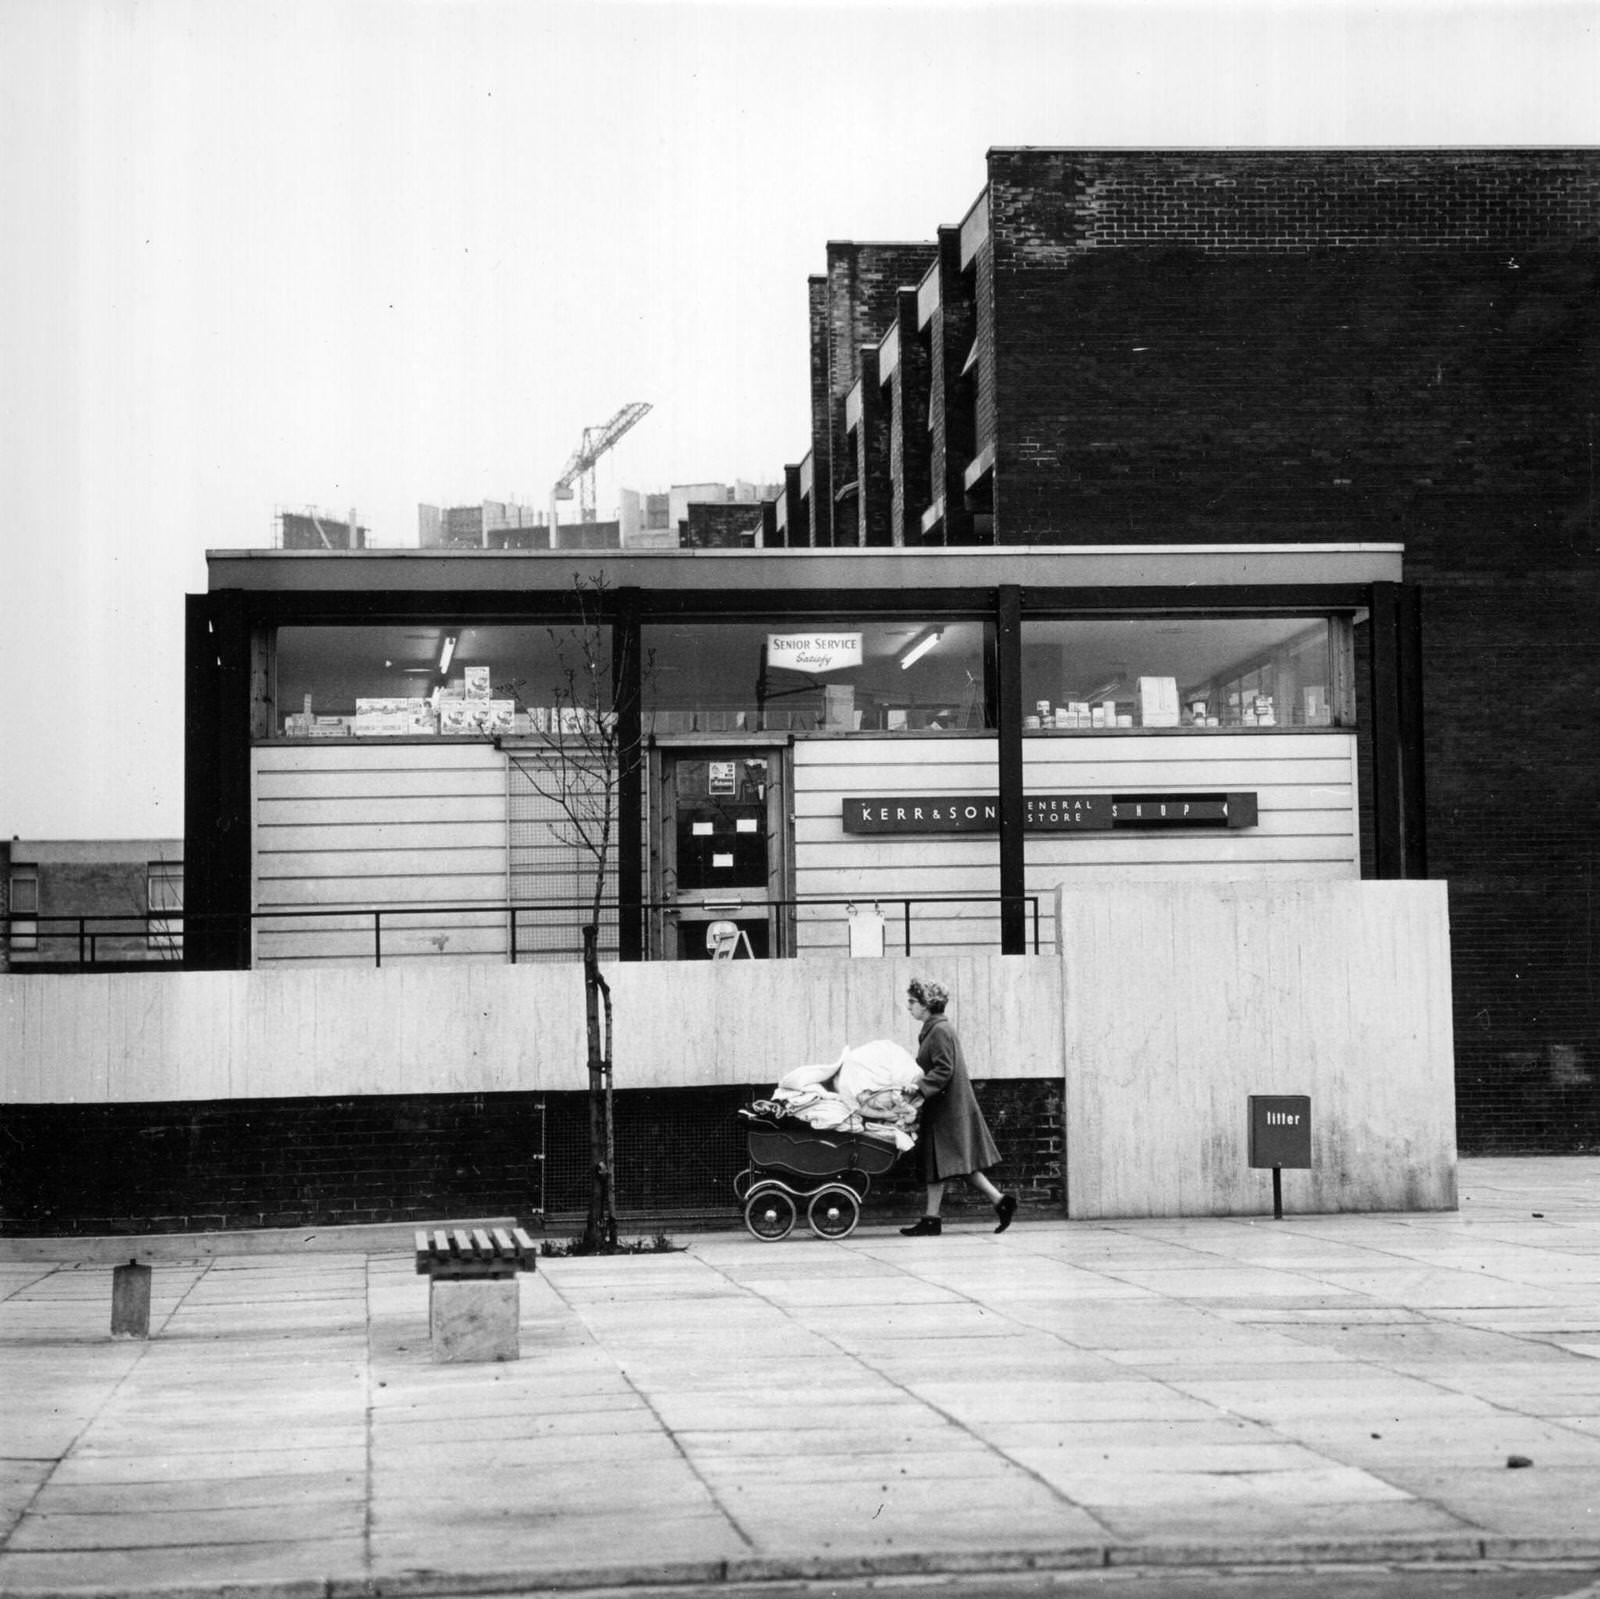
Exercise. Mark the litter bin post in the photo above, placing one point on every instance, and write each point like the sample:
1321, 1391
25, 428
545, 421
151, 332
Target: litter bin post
130, 1301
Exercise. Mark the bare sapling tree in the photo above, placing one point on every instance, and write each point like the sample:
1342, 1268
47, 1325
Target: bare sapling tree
589, 751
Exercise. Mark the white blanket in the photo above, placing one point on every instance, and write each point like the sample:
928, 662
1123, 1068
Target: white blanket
863, 1091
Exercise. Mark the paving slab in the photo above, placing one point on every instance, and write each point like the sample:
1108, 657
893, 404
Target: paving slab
1065, 1394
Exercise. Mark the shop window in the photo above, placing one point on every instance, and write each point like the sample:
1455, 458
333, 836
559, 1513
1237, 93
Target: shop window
424, 680
24, 901
839, 676
1186, 672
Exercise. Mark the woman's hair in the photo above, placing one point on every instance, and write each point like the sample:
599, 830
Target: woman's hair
931, 996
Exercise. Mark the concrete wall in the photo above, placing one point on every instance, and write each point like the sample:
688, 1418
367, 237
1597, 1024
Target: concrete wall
1183, 1000
486, 1028
1170, 1005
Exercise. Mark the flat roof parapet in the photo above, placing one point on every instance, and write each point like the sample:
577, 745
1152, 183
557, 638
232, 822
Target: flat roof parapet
777, 570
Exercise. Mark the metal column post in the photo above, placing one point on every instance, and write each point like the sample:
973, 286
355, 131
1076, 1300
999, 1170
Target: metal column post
1013, 865
627, 668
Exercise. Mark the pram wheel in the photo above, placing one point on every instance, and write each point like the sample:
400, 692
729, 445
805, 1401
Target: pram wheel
769, 1214
742, 1183
834, 1212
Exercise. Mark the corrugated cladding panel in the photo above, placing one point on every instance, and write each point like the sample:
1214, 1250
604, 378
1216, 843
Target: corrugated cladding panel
1305, 787
352, 826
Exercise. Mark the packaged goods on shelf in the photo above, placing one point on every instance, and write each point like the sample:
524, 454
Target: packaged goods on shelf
1158, 701
393, 717
481, 718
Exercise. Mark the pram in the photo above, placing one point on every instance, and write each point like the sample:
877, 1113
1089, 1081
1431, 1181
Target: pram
834, 1171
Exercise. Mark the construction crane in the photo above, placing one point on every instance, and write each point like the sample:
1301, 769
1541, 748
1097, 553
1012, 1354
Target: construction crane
580, 467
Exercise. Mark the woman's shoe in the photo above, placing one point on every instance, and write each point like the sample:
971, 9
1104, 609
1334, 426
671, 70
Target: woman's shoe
928, 1227
1005, 1208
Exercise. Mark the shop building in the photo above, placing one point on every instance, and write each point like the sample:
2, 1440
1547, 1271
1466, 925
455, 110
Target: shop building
949, 736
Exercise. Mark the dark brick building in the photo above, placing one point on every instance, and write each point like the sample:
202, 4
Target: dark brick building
734, 526
1312, 346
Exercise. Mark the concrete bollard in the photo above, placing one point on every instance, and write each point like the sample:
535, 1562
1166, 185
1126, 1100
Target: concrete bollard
130, 1301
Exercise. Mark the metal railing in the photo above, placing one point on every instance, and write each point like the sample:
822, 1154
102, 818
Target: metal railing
133, 938
548, 930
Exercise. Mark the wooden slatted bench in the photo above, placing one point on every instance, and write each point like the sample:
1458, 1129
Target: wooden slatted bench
475, 1252
474, 1299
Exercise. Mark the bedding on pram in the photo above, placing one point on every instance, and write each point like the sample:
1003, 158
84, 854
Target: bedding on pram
863, 1091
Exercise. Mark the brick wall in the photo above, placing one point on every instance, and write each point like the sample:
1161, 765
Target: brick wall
1320, 346
819, 526
862, 284
951, 439
87, 1170
1044, 204
729, 527
909, 488
874, 497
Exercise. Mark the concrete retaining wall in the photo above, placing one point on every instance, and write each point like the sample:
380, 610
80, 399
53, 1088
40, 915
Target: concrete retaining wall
1170, 1004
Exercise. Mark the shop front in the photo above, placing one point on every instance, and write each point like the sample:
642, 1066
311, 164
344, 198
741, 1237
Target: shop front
1122, 802
423, 756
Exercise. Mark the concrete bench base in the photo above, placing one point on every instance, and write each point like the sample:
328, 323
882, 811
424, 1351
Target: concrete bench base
474, 1318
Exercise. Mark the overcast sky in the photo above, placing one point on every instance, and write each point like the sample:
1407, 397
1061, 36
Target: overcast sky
258, 255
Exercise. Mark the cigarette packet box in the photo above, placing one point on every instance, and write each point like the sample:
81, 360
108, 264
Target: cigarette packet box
377, 718
481, 718
1158, 701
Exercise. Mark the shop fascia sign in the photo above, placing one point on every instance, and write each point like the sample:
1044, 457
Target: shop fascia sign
813, 652
1047, 813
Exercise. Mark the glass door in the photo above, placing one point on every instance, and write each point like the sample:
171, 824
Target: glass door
719, 855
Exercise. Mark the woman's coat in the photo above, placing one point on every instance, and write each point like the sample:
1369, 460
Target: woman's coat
953, 1135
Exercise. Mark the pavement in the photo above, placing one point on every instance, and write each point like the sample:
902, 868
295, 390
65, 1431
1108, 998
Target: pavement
1397, 1387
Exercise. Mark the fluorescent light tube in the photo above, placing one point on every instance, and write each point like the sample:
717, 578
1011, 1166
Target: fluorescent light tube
447, 652
920, 648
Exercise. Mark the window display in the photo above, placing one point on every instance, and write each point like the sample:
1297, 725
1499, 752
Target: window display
842, 675
1185, 672
837, 676
431, 680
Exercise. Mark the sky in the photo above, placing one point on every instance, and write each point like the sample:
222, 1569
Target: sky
270, 254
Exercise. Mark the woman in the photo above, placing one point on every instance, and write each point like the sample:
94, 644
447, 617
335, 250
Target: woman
953, 1135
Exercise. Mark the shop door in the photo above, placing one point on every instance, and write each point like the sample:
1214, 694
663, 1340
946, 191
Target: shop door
719, 856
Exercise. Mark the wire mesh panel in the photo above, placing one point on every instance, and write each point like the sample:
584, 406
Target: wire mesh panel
556, 807
677, 1151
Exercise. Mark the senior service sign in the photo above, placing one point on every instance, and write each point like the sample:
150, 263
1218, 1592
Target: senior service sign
813, 652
